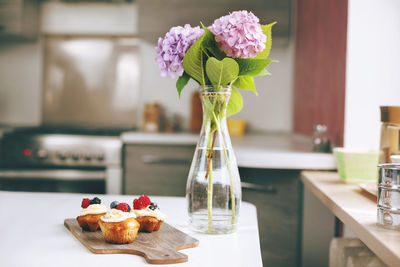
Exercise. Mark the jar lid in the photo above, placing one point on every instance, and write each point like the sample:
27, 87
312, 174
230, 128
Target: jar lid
390, 114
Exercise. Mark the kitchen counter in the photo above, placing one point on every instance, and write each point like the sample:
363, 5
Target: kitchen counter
269, 151
357, 211
33, 234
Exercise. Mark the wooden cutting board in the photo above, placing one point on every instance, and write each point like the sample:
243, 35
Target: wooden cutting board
158, 247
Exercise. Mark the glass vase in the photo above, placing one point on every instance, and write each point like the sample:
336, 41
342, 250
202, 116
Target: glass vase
213, 190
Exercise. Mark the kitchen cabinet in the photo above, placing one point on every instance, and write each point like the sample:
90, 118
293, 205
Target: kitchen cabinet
181, 12
320, 67
19, 19
277, 196
159, 170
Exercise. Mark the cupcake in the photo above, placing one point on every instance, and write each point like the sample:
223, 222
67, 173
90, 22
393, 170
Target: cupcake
147, 214
90, 214
118, 225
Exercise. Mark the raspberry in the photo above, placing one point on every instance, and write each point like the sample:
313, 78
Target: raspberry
85, 203
141, 203
123, 207
136, 204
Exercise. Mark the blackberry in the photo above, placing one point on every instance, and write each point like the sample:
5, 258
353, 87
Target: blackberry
95, 200
153, 206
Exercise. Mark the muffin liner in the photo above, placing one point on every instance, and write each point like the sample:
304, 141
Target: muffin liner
149, 224
120, 232
89, 222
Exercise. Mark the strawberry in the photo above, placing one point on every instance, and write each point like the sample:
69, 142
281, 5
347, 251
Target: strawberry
141, 203
85, 203
123, 207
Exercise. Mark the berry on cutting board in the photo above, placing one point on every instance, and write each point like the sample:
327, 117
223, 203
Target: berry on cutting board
114, 204
141, 203
95, 200
85, 203
123, 207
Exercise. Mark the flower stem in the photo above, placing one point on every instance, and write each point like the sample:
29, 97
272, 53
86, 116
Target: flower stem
229, 170
209, 176
210, 152
209, 198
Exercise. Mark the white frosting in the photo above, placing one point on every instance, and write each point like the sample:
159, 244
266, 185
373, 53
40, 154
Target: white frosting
115, 215
94, 209
148, 212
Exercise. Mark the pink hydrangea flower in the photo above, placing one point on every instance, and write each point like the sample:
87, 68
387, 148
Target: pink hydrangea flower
239, 34
172, 48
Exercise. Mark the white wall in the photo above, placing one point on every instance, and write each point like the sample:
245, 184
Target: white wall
372, 68
20, 67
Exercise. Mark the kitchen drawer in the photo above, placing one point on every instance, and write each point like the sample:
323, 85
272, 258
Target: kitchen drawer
157, 169
276, 194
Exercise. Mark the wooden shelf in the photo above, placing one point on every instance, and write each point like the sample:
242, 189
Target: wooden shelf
357, 211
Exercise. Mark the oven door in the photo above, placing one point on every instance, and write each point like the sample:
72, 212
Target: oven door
53, 180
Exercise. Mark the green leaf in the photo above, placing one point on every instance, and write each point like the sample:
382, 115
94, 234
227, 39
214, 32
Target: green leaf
181, 82
264, 72
223, 72
235, 103
267, 30
209, 46
193, 62
246, 83
252, 66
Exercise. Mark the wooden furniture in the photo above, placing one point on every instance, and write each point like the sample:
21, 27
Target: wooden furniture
357, 210
32, 234
320, 66
159, 247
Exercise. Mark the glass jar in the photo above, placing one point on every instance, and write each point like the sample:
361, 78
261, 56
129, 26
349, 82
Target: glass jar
390, 139
213, 190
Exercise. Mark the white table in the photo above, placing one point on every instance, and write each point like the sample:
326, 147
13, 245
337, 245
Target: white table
32, 234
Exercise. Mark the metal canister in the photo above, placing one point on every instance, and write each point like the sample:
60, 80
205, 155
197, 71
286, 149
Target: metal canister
389, 195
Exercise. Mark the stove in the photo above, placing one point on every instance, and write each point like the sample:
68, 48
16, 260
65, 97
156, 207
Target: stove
63, 155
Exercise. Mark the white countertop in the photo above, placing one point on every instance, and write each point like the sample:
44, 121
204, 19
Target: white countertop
32, 233
269, 151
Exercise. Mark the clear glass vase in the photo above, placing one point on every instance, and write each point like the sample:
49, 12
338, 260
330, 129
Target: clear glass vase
213, 190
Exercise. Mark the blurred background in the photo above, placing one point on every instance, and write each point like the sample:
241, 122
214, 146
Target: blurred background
28, 51
83, 107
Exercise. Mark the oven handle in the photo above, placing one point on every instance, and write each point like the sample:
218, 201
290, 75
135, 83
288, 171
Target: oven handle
152, 159
64, 175
266, 189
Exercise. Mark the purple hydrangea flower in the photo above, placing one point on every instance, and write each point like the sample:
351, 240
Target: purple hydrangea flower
172, 48
239, 34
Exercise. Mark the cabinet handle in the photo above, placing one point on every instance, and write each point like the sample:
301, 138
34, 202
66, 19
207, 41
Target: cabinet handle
56, 174
267, 189
151, 159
